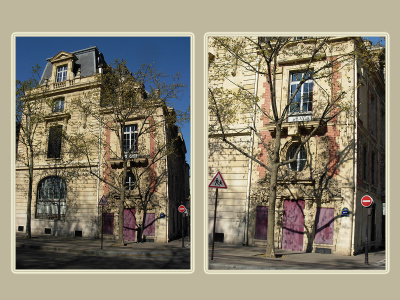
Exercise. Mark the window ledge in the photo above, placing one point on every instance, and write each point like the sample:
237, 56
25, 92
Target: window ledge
57, 116
117, 162
297, 181
53, 159
293, 127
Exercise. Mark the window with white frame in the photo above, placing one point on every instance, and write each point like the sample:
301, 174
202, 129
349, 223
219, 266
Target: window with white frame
130, 181
301, 158
51, 198
301, 101
58, 105
61, 73
130, 141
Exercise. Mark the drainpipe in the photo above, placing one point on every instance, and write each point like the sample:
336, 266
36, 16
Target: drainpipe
355, 148
246, 229
98, 163
166, 185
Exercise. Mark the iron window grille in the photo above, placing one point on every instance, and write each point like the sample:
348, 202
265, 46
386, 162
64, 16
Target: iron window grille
51, 198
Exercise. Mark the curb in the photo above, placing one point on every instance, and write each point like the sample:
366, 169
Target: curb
219, 267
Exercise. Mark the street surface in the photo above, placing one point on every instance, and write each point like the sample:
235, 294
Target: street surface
228, 257
27, 258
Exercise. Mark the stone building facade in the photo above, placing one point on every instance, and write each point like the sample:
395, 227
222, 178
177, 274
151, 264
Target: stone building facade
65, 191
318, 205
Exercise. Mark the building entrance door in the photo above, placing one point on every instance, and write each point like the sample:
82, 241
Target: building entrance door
129, 224
293, 225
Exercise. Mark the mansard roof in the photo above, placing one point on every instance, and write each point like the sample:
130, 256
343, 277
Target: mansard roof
87, 60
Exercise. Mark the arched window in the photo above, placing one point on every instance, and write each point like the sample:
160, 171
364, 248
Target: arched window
301, 158
51, 196
130, 181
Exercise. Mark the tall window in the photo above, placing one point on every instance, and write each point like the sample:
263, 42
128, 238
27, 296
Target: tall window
301, 157
373, 181
302, 100
130, 141
130, 181
61, 73
365, 163
54, 146
51, 196
58, 105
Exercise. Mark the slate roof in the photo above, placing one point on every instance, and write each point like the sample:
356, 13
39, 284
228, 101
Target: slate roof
88, 60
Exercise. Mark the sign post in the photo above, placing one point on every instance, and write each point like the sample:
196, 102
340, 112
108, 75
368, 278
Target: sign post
366, 201
182, 210
218, 183
102, 202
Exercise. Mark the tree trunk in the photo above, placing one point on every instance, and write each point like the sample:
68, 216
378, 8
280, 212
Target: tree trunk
271, 213
121, 205
29, 204
272, 194
143, 222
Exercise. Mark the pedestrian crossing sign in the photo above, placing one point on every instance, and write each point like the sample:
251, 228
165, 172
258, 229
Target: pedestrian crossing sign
103, 201
218, 182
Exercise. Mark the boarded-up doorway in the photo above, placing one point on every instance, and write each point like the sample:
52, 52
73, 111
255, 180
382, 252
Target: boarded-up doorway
324, 220
129, 224
261, 223
108, 223
150, 227
293, 225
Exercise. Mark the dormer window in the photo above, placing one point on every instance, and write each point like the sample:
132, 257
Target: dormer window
61, 73
58, 105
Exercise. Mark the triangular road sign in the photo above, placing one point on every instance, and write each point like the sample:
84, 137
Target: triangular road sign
103, 201
218, 182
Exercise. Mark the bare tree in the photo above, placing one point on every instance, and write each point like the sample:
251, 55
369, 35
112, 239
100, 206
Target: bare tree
34, 105
316, 60
29, 115
135, 123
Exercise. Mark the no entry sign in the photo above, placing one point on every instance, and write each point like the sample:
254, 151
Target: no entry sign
366, 201
181, 208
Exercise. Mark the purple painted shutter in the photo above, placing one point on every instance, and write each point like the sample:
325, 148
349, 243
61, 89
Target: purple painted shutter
324, 226
293, 225
108, 223
151, 230
261, 223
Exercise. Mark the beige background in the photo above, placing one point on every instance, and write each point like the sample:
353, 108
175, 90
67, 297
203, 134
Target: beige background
199, 18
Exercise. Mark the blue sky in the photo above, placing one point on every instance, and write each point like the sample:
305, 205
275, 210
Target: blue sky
375, 39
169, 55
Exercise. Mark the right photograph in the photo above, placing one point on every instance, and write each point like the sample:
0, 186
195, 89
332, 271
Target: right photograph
296, 152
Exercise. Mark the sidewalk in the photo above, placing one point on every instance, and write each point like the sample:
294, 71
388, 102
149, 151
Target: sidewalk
228, 257
93, 246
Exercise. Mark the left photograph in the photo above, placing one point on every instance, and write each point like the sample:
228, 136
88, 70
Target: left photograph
102, 153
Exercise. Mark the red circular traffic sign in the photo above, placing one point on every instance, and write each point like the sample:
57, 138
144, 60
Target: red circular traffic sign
366, 201
181, 208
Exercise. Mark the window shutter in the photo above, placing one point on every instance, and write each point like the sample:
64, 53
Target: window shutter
54, 146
